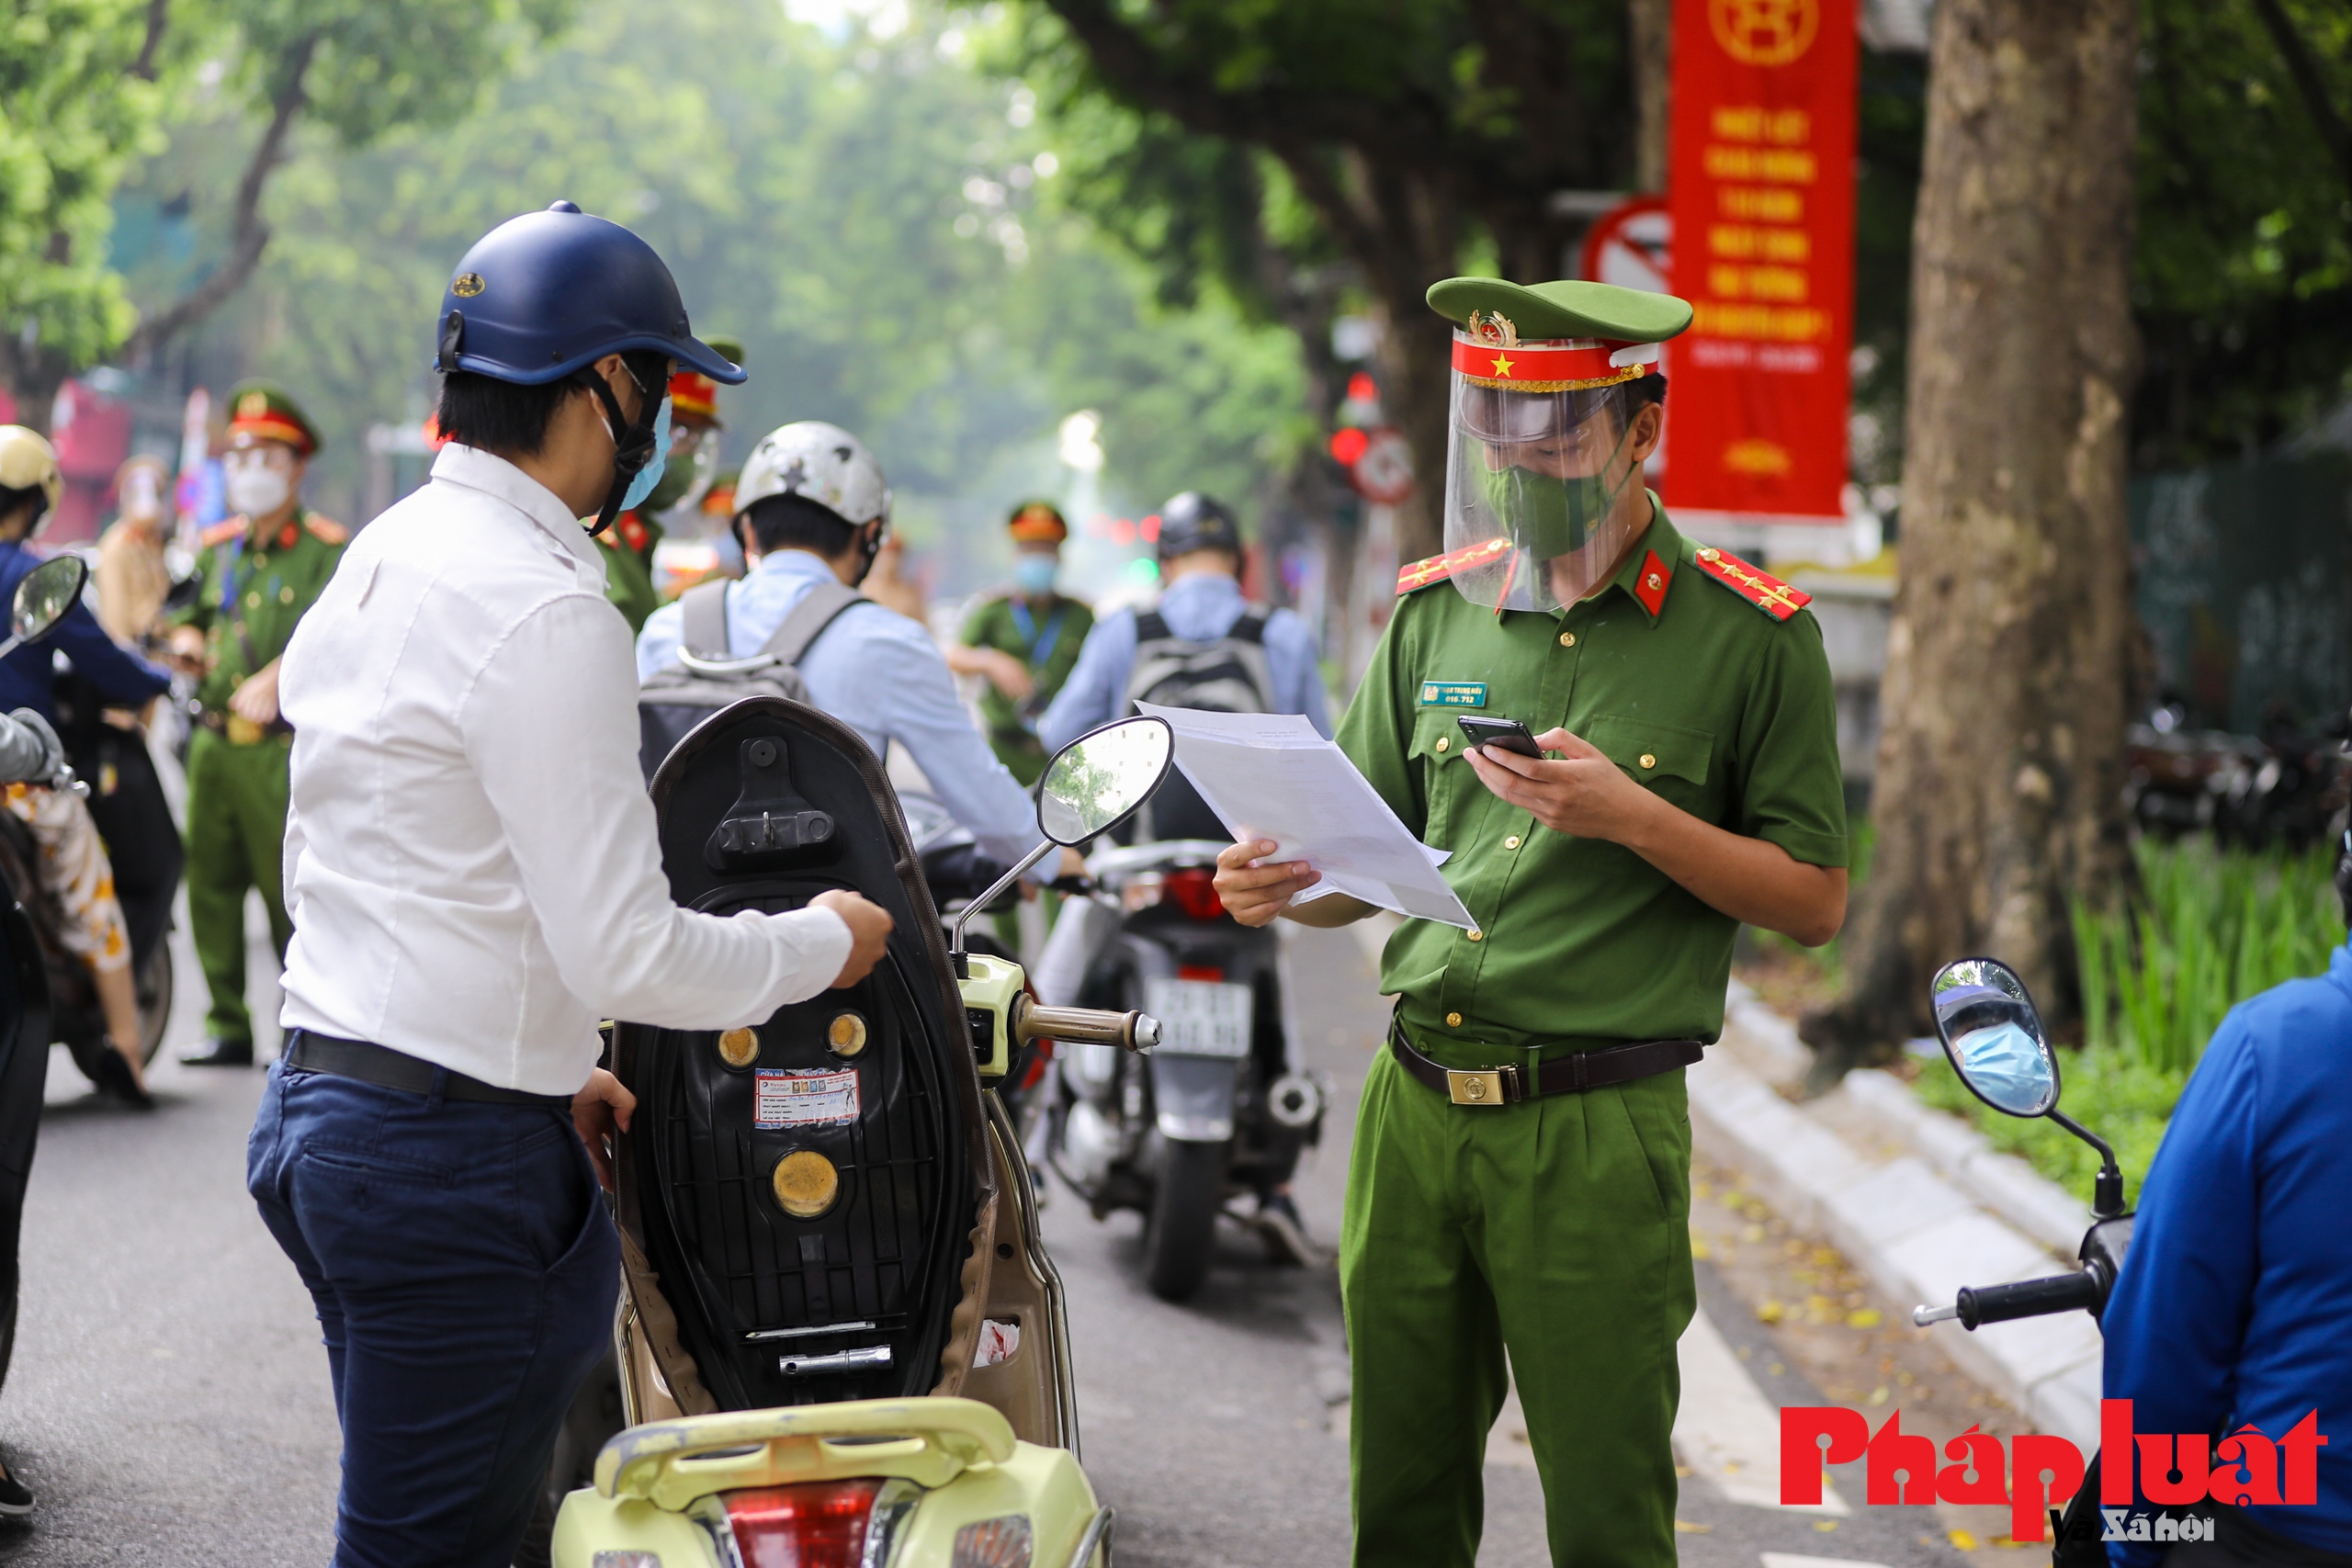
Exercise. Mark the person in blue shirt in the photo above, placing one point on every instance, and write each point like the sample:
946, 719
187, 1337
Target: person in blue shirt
2234, 1302
73, 864
1200, 602
812, 506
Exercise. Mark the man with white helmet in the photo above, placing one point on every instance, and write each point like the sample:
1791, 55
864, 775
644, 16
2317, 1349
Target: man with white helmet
812, 507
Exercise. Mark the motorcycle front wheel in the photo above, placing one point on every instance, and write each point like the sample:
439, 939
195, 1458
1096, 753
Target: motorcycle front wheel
1180, 1228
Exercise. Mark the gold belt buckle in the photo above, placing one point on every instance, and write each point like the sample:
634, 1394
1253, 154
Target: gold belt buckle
1488, 1086
243, 731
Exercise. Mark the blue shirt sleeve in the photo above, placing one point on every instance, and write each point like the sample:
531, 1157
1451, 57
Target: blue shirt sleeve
2176, 1325
1096, 692
1295, 664
120, 675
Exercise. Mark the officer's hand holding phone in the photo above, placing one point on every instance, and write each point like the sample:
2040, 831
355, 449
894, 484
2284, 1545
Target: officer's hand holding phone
1580, 792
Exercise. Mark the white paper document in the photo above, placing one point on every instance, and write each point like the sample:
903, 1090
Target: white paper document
1269, 775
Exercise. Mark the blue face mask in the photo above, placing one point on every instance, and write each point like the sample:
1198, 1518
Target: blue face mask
651, 475
1034, 575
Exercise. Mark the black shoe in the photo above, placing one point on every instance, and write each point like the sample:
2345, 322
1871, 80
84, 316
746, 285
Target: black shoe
115, 1078
1278, 1222
15, 1499
220, 1053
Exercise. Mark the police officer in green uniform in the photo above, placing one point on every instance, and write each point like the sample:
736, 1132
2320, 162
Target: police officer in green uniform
693, 452
260, 571
1521, 1173
1024, 642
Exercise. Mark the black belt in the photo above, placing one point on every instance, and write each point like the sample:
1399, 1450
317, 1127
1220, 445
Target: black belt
1573, 1074
388, 1068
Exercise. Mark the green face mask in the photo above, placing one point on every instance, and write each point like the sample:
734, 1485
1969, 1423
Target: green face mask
1548, 517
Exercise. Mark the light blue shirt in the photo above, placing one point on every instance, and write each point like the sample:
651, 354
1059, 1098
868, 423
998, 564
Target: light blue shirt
1198, 609
881, 674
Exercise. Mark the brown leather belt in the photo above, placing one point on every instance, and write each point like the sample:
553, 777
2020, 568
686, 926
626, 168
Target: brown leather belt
1572, 1074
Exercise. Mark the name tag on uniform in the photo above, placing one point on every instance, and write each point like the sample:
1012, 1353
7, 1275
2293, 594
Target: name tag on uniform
1454, 693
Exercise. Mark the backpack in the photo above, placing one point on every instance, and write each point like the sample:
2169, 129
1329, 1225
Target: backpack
1227, 674
673, 701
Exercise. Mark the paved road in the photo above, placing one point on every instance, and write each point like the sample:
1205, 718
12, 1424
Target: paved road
170, 1399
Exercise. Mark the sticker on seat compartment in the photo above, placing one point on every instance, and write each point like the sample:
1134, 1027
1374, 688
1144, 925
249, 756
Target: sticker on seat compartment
807, 1096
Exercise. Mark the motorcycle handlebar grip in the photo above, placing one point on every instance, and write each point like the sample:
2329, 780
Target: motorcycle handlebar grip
1089, 1026
1979, 1304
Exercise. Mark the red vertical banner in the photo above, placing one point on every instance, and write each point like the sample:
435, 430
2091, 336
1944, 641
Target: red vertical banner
1761, 188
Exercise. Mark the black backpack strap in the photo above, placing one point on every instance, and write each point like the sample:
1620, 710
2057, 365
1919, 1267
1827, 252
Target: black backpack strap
1250, 627
1151, 627
703, 609
790, 641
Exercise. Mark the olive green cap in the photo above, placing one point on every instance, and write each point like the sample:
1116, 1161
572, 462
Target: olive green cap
1570, 307
264, 411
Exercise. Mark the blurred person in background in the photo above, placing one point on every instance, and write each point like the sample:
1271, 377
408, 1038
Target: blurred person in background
1024, 641
74, 866
629, 543
258, 574
133, 577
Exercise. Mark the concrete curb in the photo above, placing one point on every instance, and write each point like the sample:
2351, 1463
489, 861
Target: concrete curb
1913, 1197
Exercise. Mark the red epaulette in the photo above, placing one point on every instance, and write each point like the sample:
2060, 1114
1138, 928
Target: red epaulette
1436, 568
1762, 589
326, 530
221, 533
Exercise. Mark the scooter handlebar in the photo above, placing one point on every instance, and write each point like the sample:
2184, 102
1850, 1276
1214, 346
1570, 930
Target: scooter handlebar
1136, 1032
1977, 1304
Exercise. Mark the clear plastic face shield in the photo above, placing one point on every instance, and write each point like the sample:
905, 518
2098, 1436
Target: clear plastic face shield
1544, 481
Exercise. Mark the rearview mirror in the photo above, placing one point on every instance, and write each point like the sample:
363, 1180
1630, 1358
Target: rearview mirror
1095, 781
1994, 1037
45, 594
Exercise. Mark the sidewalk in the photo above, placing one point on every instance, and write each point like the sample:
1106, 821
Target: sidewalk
1915, 1198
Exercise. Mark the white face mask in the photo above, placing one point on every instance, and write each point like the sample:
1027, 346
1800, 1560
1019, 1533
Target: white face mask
256, 491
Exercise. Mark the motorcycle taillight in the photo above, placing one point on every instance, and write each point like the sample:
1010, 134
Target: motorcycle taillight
1194, 890
817, 1524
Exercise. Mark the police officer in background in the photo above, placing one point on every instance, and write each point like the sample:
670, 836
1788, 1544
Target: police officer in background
258, 574
475, 881
1521, 1173
1025, 641
694, 425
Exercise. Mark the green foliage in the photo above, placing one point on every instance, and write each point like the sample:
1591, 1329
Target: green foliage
2214, 928
72, 117
863, 212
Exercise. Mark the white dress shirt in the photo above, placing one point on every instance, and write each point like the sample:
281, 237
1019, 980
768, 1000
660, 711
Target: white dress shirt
881, 674
470, 859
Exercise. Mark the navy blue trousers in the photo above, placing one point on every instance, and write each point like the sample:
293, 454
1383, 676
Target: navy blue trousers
465, 1274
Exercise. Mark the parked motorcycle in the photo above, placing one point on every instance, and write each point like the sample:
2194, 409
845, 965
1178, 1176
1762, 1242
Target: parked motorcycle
842, 1340
1993, 1038
1222, 1108
117, 779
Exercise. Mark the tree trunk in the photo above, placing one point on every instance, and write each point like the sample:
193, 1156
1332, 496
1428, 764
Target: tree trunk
1650, 38
2000, 765
32, 374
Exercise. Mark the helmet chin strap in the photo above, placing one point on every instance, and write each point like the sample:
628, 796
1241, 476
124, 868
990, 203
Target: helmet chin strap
632, 448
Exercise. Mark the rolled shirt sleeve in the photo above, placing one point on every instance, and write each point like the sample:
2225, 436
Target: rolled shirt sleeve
1790, 790
549, 727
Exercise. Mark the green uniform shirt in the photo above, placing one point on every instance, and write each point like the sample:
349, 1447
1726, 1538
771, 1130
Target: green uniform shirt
253, 592
1055, 630
1721, 709
629, 573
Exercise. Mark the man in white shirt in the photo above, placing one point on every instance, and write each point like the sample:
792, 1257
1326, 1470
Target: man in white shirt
474, 880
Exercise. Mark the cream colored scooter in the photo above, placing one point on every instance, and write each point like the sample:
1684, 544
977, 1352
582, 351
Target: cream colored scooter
841, 1342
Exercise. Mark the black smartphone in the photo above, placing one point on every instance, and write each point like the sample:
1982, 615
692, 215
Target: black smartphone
1508, 734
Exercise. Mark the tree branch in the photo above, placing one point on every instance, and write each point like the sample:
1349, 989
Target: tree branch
2308, 82
144, 66
249, 233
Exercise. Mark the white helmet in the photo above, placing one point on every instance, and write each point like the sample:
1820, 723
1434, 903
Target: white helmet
28, 462
820, 461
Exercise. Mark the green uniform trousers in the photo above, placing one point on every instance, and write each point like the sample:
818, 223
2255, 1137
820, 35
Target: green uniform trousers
236, 839
1559, 1229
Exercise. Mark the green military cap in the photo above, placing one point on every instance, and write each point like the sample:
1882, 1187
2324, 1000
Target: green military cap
1570, 307
259, 411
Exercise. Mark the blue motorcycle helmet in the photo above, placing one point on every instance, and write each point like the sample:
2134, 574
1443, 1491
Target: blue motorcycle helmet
544, 296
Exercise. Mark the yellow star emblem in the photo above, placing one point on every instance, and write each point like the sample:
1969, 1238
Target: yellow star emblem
1502, 365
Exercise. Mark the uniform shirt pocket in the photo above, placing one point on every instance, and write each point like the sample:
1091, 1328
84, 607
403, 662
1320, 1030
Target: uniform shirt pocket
1670, 759
1436, 749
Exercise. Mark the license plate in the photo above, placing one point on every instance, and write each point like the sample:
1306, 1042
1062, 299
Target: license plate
1200, 1018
